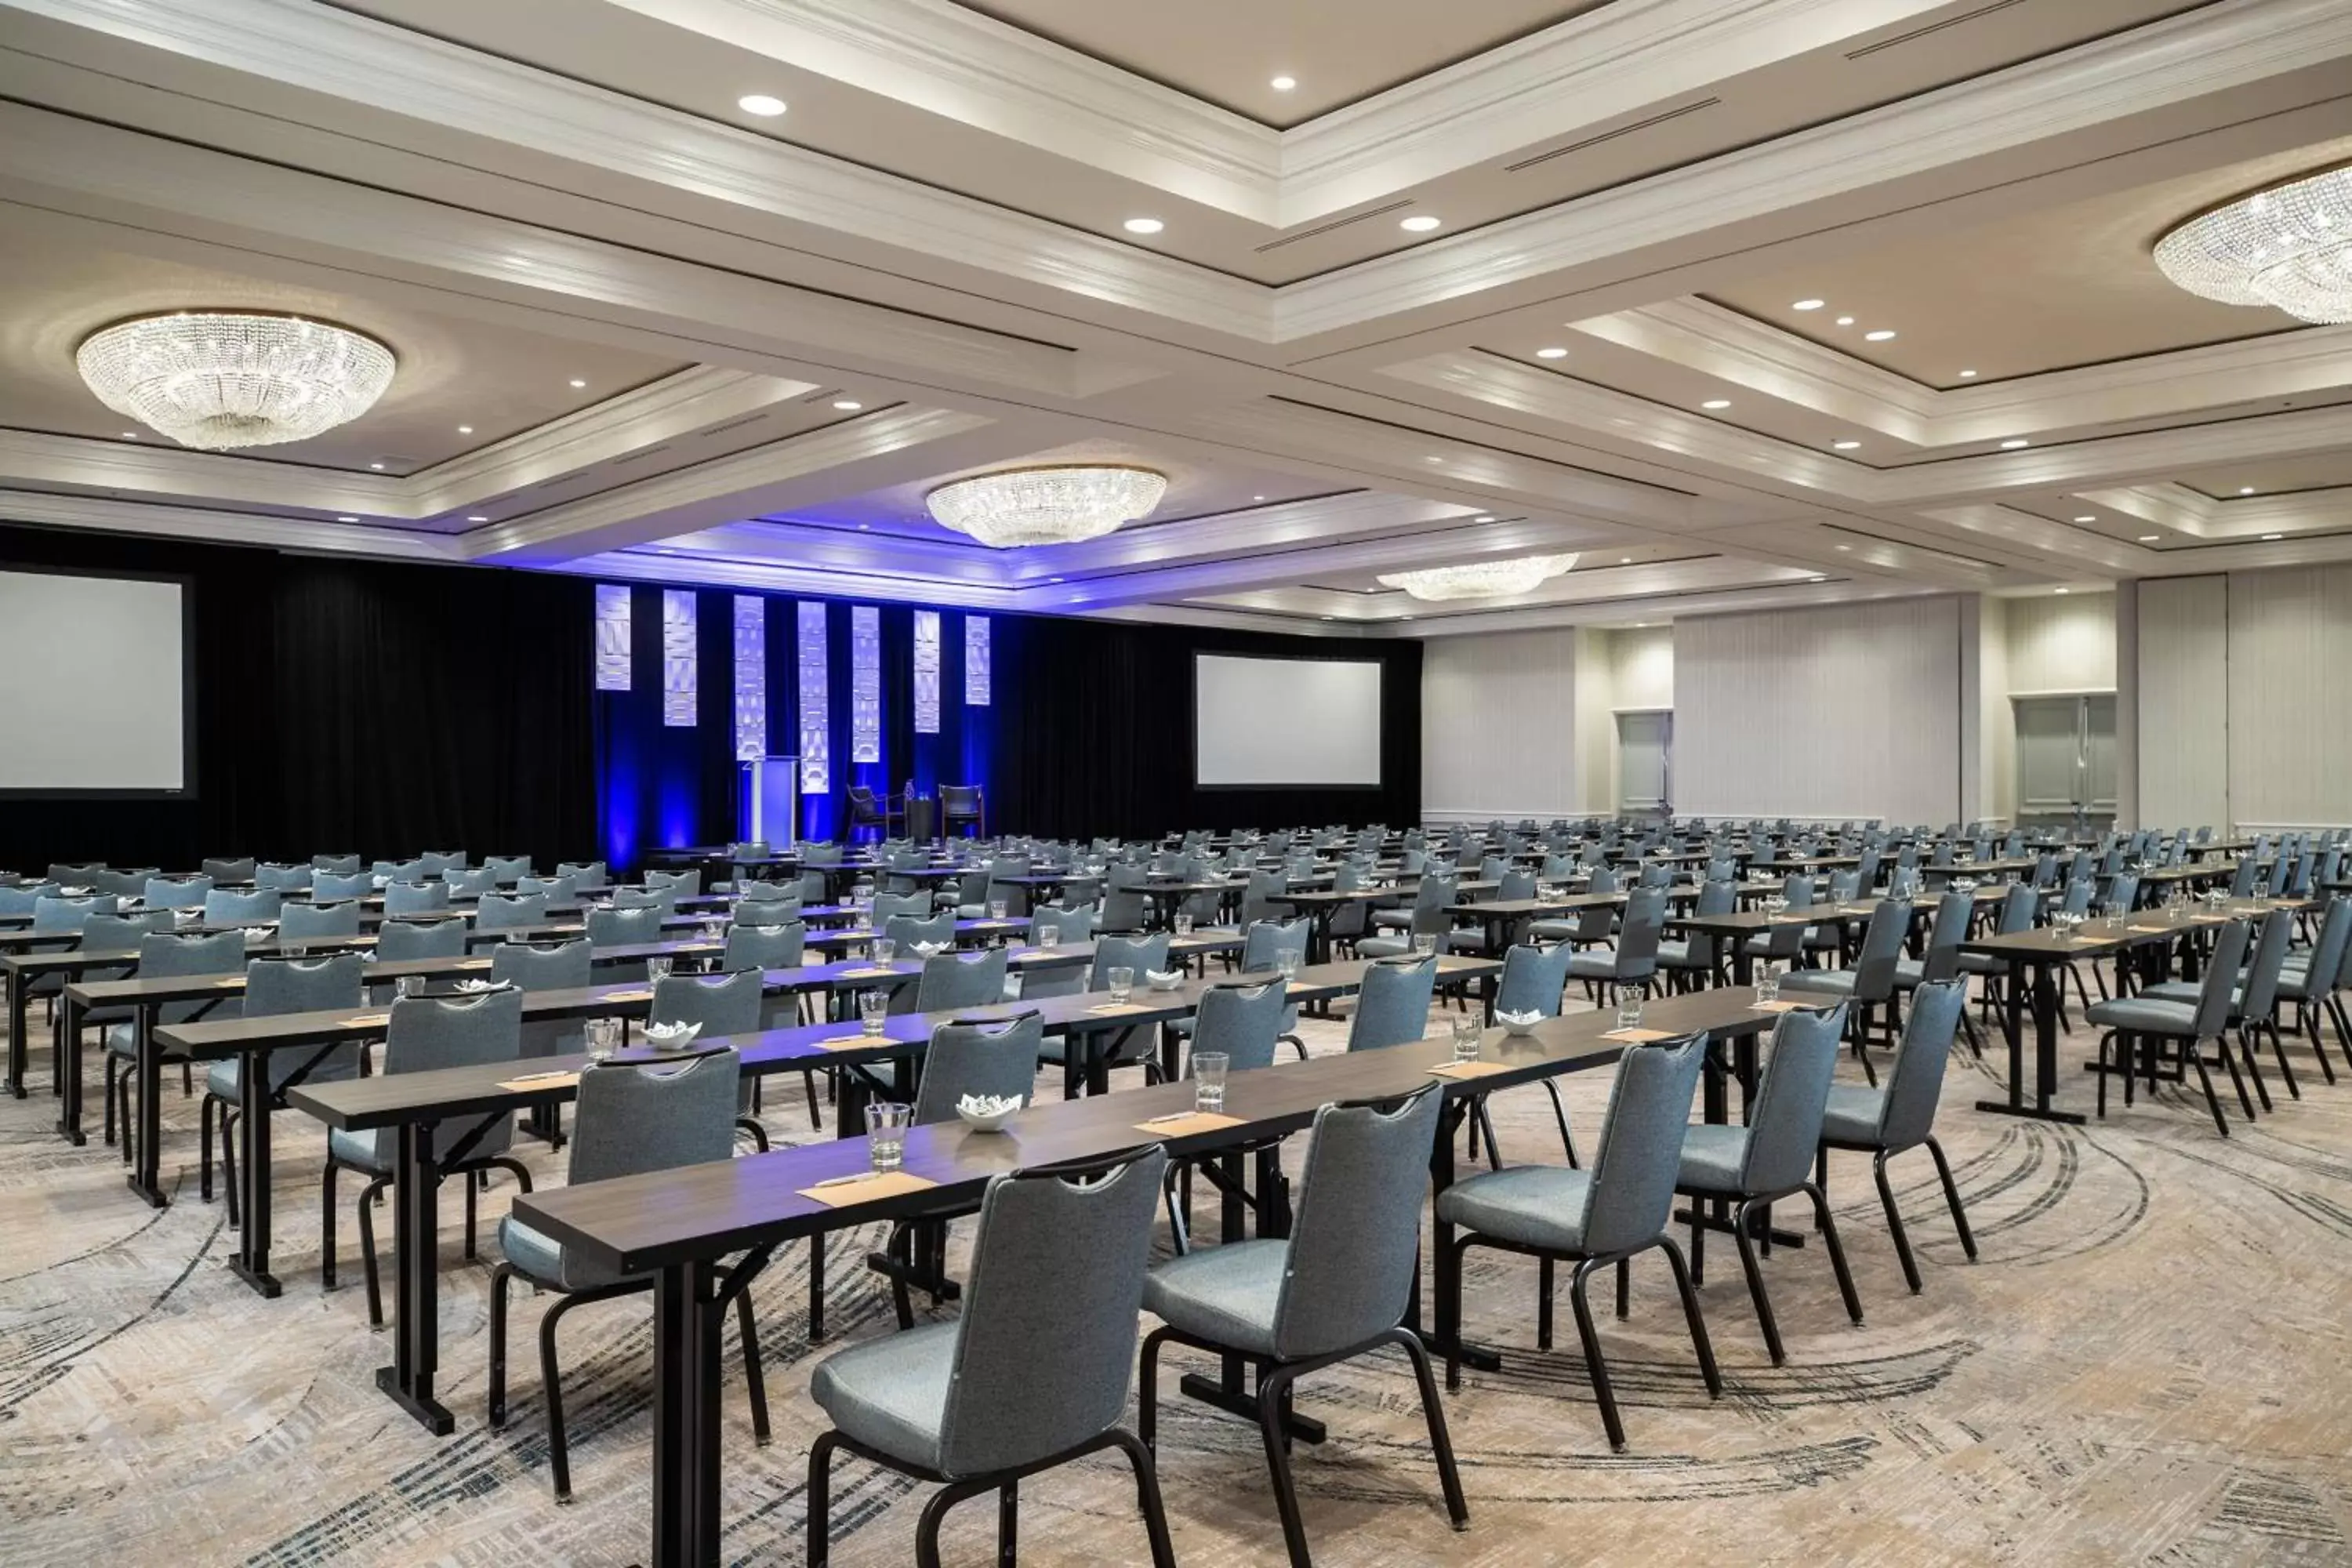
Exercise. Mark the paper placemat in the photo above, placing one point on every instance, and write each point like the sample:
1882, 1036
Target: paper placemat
1640, 1036
853, 1042
2153, 930
1467, 1069
1775, 1007
2087, 941
539, 1081
367, 1020
225, 980
1796, 919
869, 1189
471, 964
1112, 1009
870, 972
628, 996
1187, 1125
1295, 986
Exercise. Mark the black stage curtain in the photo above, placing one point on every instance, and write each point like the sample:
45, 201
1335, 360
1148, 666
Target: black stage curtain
346, 706
1094, 731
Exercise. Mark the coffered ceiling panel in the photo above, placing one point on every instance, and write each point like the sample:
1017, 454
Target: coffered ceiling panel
2273, 476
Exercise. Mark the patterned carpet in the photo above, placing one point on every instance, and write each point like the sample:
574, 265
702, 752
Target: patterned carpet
2152, 1363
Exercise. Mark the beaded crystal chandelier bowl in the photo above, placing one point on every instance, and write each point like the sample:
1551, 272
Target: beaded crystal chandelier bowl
2290, 247
219, 379
1058, 505
1479, 579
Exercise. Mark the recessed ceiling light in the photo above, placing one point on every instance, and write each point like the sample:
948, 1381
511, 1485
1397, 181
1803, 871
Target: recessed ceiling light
1880, 336
1551, 353
1433, 460
863, 527
1053, 579
1716, 403
464, 429
1484, 517
1625, 561
1845, 547
2273, 536
847, 404
347, 520
1143, 226
1257, 497
2013, 445
1421, 224
2149, 538
1816, 579
577, 383
1968, 376
761, 104
1845, 320
2245, 489
1808, 304
1284, 84
476, 517
2086, 520
2060, 590
377, 467
1845, 446
131, 435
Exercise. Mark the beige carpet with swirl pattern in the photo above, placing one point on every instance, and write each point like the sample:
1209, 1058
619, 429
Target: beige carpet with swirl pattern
2152, 1363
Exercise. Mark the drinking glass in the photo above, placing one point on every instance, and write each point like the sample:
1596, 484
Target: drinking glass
295, 949
1768, 982
714, 930
1184, 925
603, 1036
1286, 962
1209, 1081
1628, 1009
885, 1131
657, 970
998, 909
1423, 947
1121, 982
1466, 1036
1048, 935
871, 1006
408, 986
883, 948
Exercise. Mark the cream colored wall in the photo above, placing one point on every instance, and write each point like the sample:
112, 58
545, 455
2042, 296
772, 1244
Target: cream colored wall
1997, 728
2290, 715
1499, 725
2184, 701
2061, 642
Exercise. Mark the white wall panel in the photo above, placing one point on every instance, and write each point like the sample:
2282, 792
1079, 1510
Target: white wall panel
1499, 725
2185, 733
2290, 646
1642, 662
1847, 710
2062, 642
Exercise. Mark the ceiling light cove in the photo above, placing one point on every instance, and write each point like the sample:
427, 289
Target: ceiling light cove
1143, 226
215, 380
1420, 224
1480, 579
1060, 505
760, 104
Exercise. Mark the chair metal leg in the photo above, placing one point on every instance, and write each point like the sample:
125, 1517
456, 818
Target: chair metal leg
820, 1499
1270, 1412
1544, 1288
1559, 1114
501, 1286
1685, 1286
1147, 1486
1581, 1305
551, 1379
1457, 1506
1828, 1227
2253, 1068
367, 1250
2212, 1100
228, 1121
1750, 1266
2278, 1049
204, 1147
754, 1375
1008, 1524
2222, 1049
1952, 1198
1895, 1221
327, 1242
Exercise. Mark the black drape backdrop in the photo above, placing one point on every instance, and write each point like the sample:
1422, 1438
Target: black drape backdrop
346, 705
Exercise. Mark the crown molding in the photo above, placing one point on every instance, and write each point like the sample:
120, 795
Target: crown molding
638, 565
2199, 515
107, 515
2131, 457
154, 470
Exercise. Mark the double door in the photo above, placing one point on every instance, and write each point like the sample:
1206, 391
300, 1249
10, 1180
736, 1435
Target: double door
2065, 757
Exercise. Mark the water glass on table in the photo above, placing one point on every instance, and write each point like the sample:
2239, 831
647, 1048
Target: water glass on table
1628, 1009
883, 950
1767, 984
1467, 1033
1122, 983
871, 1008
885, 1133
1209, 1082
1048, 935
1424, 946
1184, 925
408, 986
602, 1036
657, 970
999, 909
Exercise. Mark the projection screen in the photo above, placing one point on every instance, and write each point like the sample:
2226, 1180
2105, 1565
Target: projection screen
1308, 722
93, 684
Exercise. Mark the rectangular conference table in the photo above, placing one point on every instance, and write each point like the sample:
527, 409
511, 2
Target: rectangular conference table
1320, 905
415, 1103
676, 1225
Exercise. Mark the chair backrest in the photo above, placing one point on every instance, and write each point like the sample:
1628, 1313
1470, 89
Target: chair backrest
2259, 993
1785, 1124
890, 906
563, 966
766, 911
20, 899
1045, 1345
276, 985
1137, 954
683, 884
2123, 893
1882, 949
441, 862
623, 928
631, 1119
1392, 1007
1242, 1021
765, 946
121, 933
584, 873
1908, 1104
768, 893
469, 883
1263, 943
727, 1005
228, 868
429, 1033
953, 980
2328, 954
1534, 978
1430, 898
332, 887
939, 931
2242, 884
508, 868
416, 898
554, 889
2077, 899
1632, 1193
993, 1056
1637, 940
1070, 925
62, 915
303, 923
397, 940
1356, 1236
337, 865
175, 892
497, 913
2220, 985
223, 907
2018, 907
162, 956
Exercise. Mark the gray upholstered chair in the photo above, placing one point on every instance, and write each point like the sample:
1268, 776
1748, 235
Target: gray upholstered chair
175, 892
1769, 1157
763, 947
761, 892
939, 930
228, 868
2140, 1026
162, 956
1870, 984
1535, 980
20, 900
2311, 979
628, 1121
2253, 1000
398, 870
441, 862
1241, 1020
889, 906
318, 922
427, 1033
678, 884
725, 1005
1630, 962
1697, 960
1032, 1374
1334, 1290
1138, 956
464, 883
1392, 1003
1900, 1115
416, 898
222, 908
584, 873
330, 887
498, 913
625, 928
560, 892
1785, 943
766, 911
546, 967
508, 870
1607, 1214
337, 865
1263, 946
399, 939
269, 876
274, 987
953, 980
1426, 918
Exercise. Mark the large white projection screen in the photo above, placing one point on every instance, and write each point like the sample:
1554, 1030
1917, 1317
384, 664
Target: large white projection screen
1280, 721
91, 694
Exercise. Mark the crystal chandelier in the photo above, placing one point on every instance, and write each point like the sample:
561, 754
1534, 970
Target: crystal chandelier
217, 379
2290, 246
1061, 505
1479, 579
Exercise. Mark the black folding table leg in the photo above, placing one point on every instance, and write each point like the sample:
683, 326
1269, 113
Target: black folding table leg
67, 1038
146, 1171
16, 1052
686, 1417
416, 1326
251, 1260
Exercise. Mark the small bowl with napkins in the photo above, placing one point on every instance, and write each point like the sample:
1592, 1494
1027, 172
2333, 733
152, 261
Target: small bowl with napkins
671, 1036
1519, 1024
1163, 979
987, 1112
